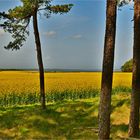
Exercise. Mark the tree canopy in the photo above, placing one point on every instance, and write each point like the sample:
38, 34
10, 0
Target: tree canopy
127, 66
123, 2
16, 20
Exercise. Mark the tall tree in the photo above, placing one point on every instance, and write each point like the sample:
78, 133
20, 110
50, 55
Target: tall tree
107, 72
135, 96
16, 21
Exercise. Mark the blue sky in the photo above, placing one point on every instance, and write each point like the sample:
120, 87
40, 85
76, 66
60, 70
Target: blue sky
71, 41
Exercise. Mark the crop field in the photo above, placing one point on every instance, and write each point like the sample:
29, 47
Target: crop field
22, 87
23, 82
72, 108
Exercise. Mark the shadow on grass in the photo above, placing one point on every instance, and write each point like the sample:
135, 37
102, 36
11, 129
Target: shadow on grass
66, 120
5, 136
119, 131
61, 120
119, 103
123, 128
120, 127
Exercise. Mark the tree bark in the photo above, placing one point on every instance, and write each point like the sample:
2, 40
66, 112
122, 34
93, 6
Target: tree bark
39, 58
135, 95
107, 72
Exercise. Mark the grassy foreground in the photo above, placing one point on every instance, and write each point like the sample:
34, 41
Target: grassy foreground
63, 120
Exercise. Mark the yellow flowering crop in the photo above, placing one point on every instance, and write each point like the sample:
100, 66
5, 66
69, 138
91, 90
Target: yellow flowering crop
28, 81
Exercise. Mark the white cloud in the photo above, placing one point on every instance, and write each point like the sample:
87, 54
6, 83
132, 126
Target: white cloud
50, 33
78, 36
2, 32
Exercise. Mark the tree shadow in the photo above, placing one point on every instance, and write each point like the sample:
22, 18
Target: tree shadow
60, 120
4, 136
119, 103
66, 120
120, 127
119, 131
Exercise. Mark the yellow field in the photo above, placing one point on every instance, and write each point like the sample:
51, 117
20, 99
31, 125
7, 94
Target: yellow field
21, 82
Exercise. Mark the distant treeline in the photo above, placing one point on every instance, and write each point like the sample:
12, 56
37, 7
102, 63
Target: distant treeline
58, 70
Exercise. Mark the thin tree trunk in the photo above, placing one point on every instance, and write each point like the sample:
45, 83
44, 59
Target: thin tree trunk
135, 96
107, 72
39, 58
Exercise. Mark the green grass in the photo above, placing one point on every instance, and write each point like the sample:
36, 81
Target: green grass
68, 119
63, 120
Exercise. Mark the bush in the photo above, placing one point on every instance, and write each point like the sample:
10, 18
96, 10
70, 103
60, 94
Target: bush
127, 66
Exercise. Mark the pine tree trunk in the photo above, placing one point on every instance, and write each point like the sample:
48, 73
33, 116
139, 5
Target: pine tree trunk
107, 72
135, 96
39, 58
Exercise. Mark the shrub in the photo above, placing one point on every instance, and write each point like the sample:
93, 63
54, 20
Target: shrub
127, 66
